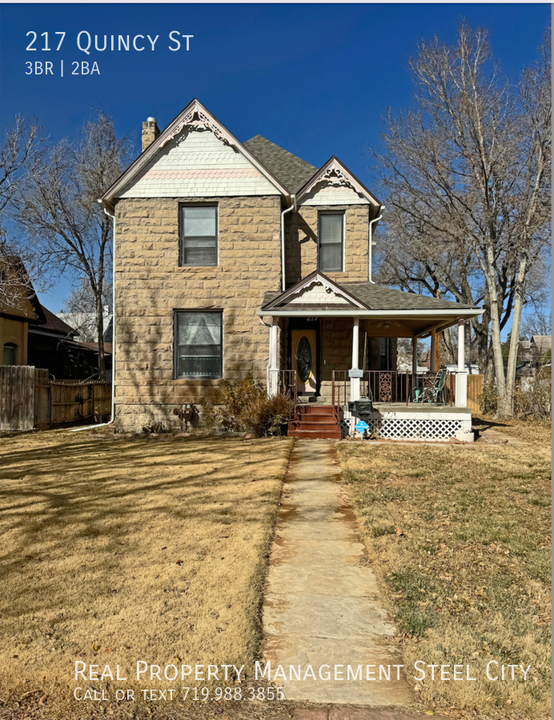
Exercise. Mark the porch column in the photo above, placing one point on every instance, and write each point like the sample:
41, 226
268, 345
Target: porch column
355, 371
461, 372
273, 378
433, 359
414, 354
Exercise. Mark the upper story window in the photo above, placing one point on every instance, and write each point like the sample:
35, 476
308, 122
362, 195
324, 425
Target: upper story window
198, 346
331, 242
10, 354
198, 235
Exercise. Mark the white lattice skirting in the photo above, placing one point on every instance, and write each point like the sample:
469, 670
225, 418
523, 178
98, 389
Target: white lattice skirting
424, 427
414, 429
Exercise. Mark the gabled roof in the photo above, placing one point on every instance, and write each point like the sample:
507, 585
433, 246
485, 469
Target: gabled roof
367, 296
291, 170
316, 278
195, 114
13, 263
335, 172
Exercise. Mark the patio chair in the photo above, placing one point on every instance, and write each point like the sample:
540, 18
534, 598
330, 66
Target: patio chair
435, 392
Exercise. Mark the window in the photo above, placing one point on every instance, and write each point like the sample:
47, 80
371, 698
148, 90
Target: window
10, 354
198, 235
198, 344
331, 236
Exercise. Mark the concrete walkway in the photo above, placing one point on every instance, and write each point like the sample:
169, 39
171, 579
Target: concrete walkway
322, 607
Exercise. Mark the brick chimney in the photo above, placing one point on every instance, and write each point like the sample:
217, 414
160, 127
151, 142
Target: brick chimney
150, 132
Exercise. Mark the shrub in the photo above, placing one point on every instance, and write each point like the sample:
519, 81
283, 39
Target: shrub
245, 406
533, 396
488, 400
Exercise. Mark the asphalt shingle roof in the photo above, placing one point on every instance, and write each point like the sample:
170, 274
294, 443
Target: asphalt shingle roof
378, 297
53, 322
290, 170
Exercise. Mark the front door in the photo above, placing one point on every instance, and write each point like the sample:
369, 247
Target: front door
304, 360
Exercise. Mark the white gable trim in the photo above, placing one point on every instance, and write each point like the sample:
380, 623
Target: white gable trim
316, 278
203, 120
334, 173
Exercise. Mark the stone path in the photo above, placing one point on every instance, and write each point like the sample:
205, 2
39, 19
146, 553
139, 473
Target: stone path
322, 606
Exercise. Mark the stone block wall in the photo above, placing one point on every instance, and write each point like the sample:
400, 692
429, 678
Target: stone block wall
301, 242
150, 285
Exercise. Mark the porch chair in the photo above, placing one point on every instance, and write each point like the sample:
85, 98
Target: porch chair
435, 392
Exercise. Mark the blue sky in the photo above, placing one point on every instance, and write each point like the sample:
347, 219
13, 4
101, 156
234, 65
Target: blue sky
315, 79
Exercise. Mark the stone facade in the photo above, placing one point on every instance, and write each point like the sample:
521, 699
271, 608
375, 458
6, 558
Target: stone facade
301, 242
150, 285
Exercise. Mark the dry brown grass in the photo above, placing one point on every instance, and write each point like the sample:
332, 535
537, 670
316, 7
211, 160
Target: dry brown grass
537, 432
115, 550
468, 578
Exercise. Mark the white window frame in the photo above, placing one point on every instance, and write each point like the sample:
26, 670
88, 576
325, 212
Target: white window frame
320, 214
182, 207
176, 314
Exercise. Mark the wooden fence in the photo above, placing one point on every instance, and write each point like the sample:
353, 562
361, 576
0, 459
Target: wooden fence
475, 385
29, 399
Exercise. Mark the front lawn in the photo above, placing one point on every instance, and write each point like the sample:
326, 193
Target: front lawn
123, 549
460, 537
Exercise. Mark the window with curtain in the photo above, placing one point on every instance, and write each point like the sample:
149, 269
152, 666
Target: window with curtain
198, 344
198, 235
331, 242
10, 354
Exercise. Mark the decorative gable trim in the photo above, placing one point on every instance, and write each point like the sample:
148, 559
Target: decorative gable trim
197, 117
335, 174
316, 278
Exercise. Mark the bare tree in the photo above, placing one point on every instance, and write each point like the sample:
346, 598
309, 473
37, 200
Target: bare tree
59, 210
467, 180
536, 323
81, 304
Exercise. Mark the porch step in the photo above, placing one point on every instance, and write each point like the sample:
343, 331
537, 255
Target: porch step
318, 417
316, 409
317, 422
316, 434
326, 424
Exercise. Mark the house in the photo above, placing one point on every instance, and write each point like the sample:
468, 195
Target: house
85, 324
235, 258
20, 309
32, 335
54, 345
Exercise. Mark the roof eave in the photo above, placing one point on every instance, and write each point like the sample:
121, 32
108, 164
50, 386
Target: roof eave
359, 312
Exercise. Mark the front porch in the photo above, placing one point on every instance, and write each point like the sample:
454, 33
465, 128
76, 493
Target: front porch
385, 407
321, 352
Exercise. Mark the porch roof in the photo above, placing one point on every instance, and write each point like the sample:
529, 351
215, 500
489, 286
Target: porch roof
410, 314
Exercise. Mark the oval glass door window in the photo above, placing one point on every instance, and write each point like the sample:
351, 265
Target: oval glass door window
304, 359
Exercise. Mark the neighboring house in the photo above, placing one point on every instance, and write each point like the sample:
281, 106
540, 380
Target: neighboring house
19, 310
540, 350
32, 335
235, 258
53, 345
533, 354
85, 324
